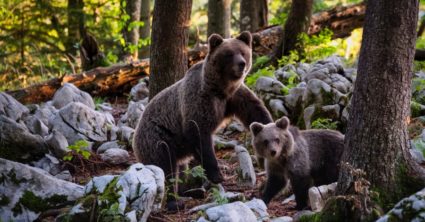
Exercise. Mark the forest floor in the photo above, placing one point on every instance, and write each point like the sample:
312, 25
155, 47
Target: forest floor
83, 170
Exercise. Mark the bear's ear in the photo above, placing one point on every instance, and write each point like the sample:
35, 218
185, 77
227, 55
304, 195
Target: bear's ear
213, 41
246, 37
283, 123
256, 128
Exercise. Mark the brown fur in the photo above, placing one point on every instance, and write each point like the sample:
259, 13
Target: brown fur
179, 121
306, 157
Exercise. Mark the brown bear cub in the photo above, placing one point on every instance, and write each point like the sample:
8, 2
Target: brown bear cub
178, 123
306, 157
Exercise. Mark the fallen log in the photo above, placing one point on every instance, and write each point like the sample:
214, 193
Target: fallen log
101, 81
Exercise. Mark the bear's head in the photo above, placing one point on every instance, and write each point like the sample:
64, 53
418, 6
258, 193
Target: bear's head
228, 61
272, 141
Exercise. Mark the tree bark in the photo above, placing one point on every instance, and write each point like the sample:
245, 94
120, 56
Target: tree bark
253, 15
130, 31
219, 13
100, 81
145, 30
170, 32
75, 24
298, 22
377, 140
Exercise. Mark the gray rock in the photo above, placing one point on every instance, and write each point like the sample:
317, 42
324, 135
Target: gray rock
11, 108
109, 145
104, 107
331, 111
36, 126
307, 115
277, 108
318, 195
69, 93
294, 99
17, 143
320, 74
76, 122
290, 198
49, 164
411, 208
234, 126
282, 219
417, 156
21, 181
231, 212
340, 83
45, 112
246, 172
126, 134
318, 92
58, 144
259, 208
141, 90
270, 85
64, 175
222, 143
115, 156
133, 114
143, 186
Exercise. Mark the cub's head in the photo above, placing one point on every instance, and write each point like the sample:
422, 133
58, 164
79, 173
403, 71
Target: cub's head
273, 140
229, 60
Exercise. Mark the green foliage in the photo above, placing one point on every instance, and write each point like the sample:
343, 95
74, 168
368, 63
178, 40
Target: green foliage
250, 80
316, 47
419, 145
324, 124
98, 101
260, 62
217, 197
196, 172
78, 149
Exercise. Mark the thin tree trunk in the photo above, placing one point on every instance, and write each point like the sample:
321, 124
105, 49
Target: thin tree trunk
131, 30
219, 13
145, 30
377, 141
253, 15
75, 24
170, 34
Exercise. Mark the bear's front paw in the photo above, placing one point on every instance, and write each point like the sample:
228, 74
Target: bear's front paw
215, 178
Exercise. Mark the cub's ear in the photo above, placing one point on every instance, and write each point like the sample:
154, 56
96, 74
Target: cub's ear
246, 37
256, 128
213, 41
283, 123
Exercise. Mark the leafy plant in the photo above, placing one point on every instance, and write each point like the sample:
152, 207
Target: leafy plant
252, 79
98, 101
218, 197
78, 149
196, 172
324, 124
316, 47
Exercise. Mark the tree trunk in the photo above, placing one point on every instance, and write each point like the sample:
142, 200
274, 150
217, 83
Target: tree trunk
130, 31
219, 17
253, 15
75, 24
170, 34
377, 141
145, 30
298, 22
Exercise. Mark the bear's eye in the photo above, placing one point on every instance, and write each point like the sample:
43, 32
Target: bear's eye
265, 142
228, 54
277, 140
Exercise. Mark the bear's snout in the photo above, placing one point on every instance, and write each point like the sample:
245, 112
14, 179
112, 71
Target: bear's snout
241, 66
273, 153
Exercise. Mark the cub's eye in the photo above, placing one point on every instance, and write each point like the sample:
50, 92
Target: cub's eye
277, 140
265, 142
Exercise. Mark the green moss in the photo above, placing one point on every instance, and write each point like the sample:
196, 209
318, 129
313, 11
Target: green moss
4, 200
11, 176
37, 204
415, 109
316, 217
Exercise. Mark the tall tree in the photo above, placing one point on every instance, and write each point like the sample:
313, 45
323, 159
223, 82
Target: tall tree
298, 22
131, 29
170, 35
377, 141
253, 15
219, 12
75, 24
145, 30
